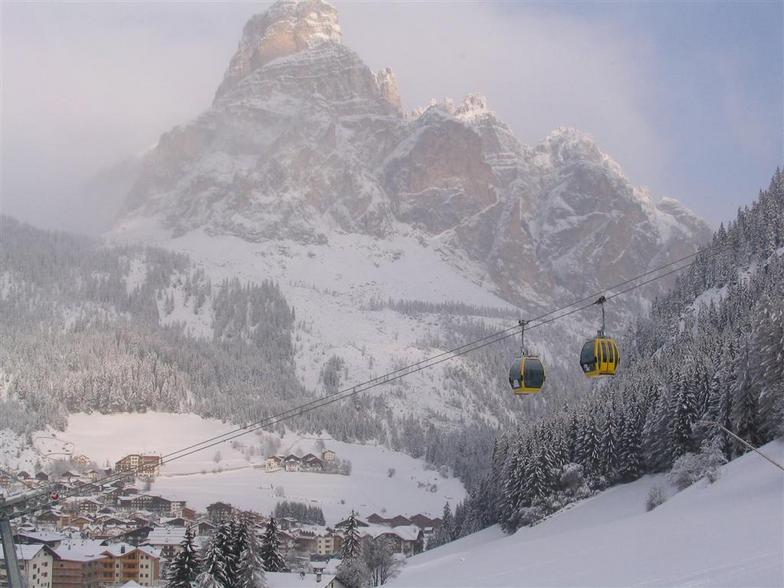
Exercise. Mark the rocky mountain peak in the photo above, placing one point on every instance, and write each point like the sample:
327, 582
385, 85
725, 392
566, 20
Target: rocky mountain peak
387, 83
567, 144
287, 27
473, 105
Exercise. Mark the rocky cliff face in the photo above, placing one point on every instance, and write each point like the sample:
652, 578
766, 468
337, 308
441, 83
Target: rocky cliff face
304, 140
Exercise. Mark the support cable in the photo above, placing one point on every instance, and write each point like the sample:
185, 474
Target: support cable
491, 339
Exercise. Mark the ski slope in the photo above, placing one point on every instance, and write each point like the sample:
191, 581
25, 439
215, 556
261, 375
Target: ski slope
729, 533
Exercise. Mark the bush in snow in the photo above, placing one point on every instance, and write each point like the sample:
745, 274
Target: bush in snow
571, 477
530, 515
655, 498
692, 467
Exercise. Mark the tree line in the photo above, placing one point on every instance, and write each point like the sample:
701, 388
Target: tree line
712, 351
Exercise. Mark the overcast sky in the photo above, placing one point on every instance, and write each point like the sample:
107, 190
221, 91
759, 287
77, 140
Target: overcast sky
687, 97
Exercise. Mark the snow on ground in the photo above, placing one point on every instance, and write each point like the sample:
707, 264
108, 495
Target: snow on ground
729, 533
16, 453
239, 478
330, 287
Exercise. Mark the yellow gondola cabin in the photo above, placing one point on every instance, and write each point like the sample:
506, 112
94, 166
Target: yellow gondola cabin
527, 376
600, 357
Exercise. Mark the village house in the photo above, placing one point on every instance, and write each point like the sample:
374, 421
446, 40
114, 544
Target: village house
50, 519
89, 564
78, 567
311, 463
35, 565
292, 463
50, 538
273, 463
82, 460
166, 540
291, 580
147, 465
219, 512
407, 540
329, 543
328, 455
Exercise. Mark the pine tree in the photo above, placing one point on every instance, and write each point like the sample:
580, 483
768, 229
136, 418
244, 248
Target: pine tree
270, 548
351, 547
684, 413
250, 568
214, 565
630, 458
745, 404
236, 542
185, 566
536, 482
769, 373
351, 571
445, 532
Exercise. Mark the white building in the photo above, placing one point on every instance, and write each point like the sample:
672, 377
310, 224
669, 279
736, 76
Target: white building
35, 563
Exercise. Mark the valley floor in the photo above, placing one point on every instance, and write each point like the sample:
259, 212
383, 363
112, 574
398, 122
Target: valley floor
730, 533
230, 473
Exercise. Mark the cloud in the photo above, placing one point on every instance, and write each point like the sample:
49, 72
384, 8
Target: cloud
87, 84
539, 69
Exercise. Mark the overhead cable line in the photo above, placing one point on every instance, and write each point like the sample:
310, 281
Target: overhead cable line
404, 371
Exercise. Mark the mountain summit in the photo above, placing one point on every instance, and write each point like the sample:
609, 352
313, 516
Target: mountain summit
288, 27
304, 142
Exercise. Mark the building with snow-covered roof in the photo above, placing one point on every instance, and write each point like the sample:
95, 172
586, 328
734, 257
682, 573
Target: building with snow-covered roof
293, 580
405, 539
79, 564
166, 540
50, 538
90, 564
35, 565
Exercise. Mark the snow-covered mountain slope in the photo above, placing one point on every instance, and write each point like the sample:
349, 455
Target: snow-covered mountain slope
303, 142
728, 533
305, 170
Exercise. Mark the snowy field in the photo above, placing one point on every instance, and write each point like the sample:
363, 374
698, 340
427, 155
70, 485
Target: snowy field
330, 287
729, 533
238, 477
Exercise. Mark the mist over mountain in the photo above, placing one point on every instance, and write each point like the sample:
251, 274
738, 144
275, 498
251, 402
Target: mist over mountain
381, 236
303, 142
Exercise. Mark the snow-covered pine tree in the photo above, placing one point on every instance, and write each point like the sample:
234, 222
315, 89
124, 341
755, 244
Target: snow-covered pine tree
270, 548
745, 404
768, 337
250, 567
185, 567
512, 493
684, 414
351, 571
350, 549
536, 480
236, 541
656, 448
630, 454
213, 573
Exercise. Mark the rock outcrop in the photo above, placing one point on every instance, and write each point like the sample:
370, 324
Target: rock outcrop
303, 139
